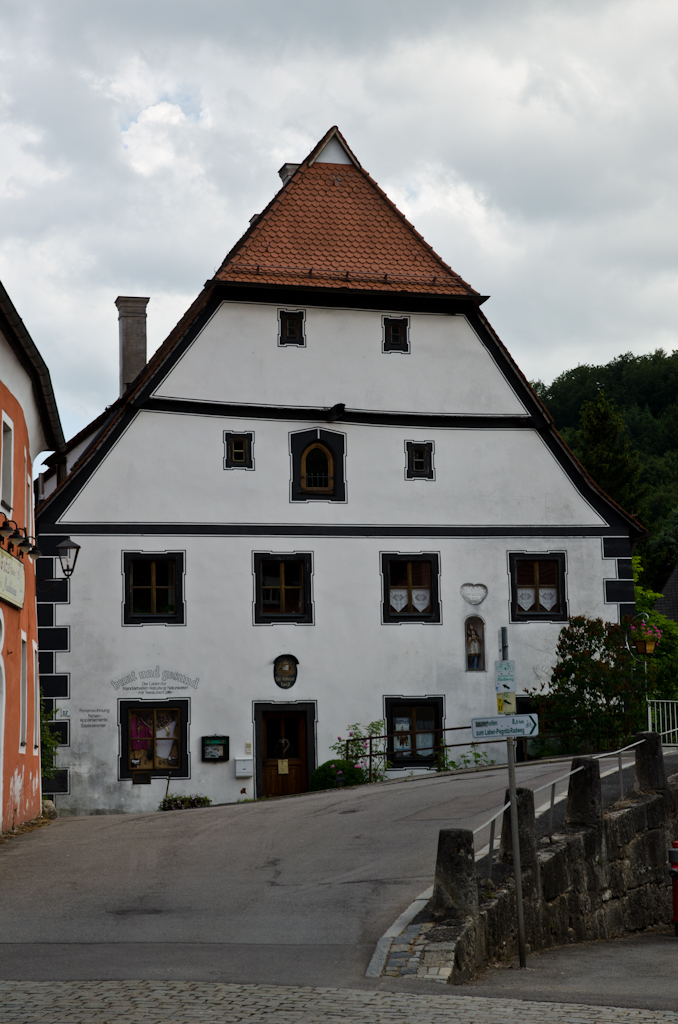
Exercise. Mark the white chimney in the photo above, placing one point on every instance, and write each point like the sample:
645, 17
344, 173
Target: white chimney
286, 172
132, 333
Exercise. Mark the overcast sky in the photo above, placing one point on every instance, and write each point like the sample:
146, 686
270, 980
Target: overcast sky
533, 144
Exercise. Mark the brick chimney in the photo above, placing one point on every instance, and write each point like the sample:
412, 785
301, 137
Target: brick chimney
132, 333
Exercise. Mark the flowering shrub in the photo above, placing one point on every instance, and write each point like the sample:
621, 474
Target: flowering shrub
359, 748
172, 802
596, 696
334, 773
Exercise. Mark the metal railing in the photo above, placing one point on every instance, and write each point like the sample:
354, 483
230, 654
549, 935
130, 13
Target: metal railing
365, 748
492, 822
662, 717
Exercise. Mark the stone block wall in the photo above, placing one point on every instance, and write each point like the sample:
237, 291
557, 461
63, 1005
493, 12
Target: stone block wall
597, 880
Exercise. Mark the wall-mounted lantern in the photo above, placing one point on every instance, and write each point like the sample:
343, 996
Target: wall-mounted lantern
67, 551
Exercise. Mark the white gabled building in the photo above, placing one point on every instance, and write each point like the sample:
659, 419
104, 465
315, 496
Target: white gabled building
334, 459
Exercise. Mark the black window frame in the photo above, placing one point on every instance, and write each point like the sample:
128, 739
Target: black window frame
247, 436
434, 617
179, 616
411, 472
262, 618
335, 442
517, 613
388, 345
391, 705
283, 316
182, 771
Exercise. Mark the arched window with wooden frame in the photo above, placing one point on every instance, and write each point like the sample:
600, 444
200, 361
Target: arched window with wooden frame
318, 458
317, 469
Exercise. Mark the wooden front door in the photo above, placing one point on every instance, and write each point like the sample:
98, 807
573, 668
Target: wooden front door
284, 743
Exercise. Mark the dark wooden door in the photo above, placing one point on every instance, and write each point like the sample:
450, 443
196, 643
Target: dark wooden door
284, 742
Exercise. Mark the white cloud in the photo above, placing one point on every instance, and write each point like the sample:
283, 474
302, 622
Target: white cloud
533, 144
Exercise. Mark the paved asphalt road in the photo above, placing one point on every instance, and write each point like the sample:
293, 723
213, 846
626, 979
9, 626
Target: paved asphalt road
292, 891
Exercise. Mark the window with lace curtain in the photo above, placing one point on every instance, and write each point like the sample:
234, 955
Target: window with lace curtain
538, 587
410, 588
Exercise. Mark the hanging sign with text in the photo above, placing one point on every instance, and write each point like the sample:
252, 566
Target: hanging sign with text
12, 580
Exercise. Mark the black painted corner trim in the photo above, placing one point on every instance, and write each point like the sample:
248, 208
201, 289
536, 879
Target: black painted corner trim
315, 530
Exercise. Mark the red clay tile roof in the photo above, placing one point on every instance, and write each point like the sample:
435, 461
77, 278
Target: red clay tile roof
331, 226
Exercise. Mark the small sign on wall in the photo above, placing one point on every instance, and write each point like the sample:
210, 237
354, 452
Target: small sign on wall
12, 580
215, 748
285, 671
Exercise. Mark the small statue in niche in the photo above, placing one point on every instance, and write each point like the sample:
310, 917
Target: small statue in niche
475, 655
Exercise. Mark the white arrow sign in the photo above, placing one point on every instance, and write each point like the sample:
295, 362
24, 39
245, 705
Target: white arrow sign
504, 725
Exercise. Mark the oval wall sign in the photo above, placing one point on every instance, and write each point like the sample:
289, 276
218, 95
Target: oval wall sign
474, 593
285, 671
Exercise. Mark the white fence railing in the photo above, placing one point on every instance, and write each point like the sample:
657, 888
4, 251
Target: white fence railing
662, 717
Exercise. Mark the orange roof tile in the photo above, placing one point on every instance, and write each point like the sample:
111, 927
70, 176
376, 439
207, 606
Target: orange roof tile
331, 226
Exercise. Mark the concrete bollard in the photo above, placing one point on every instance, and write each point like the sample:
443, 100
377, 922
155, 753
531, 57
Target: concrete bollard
650, 769
455, 891
584, 799
527, 834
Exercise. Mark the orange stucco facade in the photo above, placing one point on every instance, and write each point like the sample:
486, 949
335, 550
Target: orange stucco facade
21, 797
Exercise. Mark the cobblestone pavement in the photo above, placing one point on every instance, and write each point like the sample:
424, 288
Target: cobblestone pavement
146, 1002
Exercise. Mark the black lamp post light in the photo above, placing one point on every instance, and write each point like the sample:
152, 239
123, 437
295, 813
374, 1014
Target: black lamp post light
18, 539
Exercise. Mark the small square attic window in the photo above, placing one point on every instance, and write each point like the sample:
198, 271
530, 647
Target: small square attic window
291, 327
396, 334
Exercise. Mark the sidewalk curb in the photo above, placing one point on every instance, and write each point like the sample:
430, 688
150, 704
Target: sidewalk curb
383, 947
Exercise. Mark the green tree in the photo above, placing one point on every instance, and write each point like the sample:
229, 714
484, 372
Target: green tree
605, 450
594, 700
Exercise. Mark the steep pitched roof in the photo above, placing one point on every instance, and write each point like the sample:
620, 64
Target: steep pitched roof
14, 330
331, 225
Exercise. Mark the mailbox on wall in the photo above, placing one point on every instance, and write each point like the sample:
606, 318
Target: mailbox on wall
215, 748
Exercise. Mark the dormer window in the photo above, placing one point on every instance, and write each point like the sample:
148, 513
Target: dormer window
396, 334
317, 470
291, 327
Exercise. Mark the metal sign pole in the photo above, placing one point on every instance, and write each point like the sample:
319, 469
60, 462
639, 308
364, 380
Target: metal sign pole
516, 852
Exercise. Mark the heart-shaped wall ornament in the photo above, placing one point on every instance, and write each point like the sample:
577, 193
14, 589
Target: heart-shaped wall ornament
474, 593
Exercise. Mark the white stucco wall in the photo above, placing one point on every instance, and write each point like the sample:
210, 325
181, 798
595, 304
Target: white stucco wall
16, 380
348, 660
169, 468
236, 358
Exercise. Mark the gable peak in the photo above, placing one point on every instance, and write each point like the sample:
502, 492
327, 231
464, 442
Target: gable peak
333, 150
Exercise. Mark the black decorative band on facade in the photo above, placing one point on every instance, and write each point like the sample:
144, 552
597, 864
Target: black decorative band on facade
318, 414
312, 530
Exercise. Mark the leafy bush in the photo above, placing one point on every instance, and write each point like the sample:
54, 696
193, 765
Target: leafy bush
596, 696
326, 775
49, 741
358, 740
172, 802
474, 759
